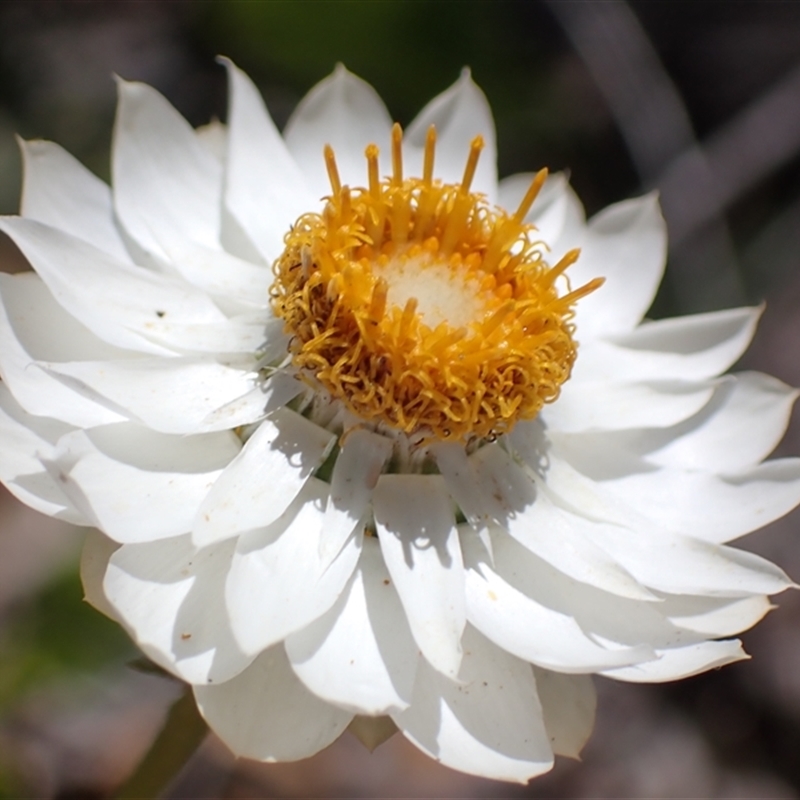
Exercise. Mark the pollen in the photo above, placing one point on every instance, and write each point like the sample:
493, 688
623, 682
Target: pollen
421, 307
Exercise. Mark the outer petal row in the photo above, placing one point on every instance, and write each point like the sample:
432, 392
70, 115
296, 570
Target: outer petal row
265, 191
25, 440
138, 485
490, 722
749, 401
169, 596
59, 191
278, 583
360, 655
116, 301
34, 327
167, 185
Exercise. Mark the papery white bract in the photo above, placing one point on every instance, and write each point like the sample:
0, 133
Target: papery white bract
299, 565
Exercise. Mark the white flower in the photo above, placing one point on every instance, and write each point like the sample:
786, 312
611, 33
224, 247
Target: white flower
400, 532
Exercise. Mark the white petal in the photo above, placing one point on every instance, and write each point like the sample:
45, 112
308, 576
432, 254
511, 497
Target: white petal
530, 516
115, 301
345, 112
171, 395
138, 485
419, 541
550, 457
681, 564
606, 617
748, 401
45, 330
265, 192
714, 616
360, 654
355, 473
683, 348
264, 398
627, 245
33, 326
711, 507
169, 596
742, 425
167, 186
59, 191
572, 231
261, 482
569, 703
460, 114
614, 486
223, 275
278, 583
214, 137
23, 439
96, 553
721, 336
528, 629
245, 335
267, 713
682, 662
602, 405
632, 528
488, 722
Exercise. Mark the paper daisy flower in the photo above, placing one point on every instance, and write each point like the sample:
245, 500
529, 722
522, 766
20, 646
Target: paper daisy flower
368, 435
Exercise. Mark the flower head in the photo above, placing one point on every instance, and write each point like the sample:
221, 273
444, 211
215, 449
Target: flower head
405, 451
418, 306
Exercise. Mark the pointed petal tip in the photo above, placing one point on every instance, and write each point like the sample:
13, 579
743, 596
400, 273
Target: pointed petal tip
653, 196
372, 732
124, 83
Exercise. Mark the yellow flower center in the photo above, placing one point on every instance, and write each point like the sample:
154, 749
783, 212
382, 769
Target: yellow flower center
420, 307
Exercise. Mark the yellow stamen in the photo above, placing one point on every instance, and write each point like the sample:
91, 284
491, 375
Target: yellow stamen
567, 260
371, 154
430, 148
378, 304
408, 314
494, 321
426, 204
421, 308
397, 155
582, 291
333, 170
344, 196
472, 162
400, 212
530, 196
454, 230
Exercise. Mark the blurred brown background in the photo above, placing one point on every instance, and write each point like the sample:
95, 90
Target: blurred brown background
700, 100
